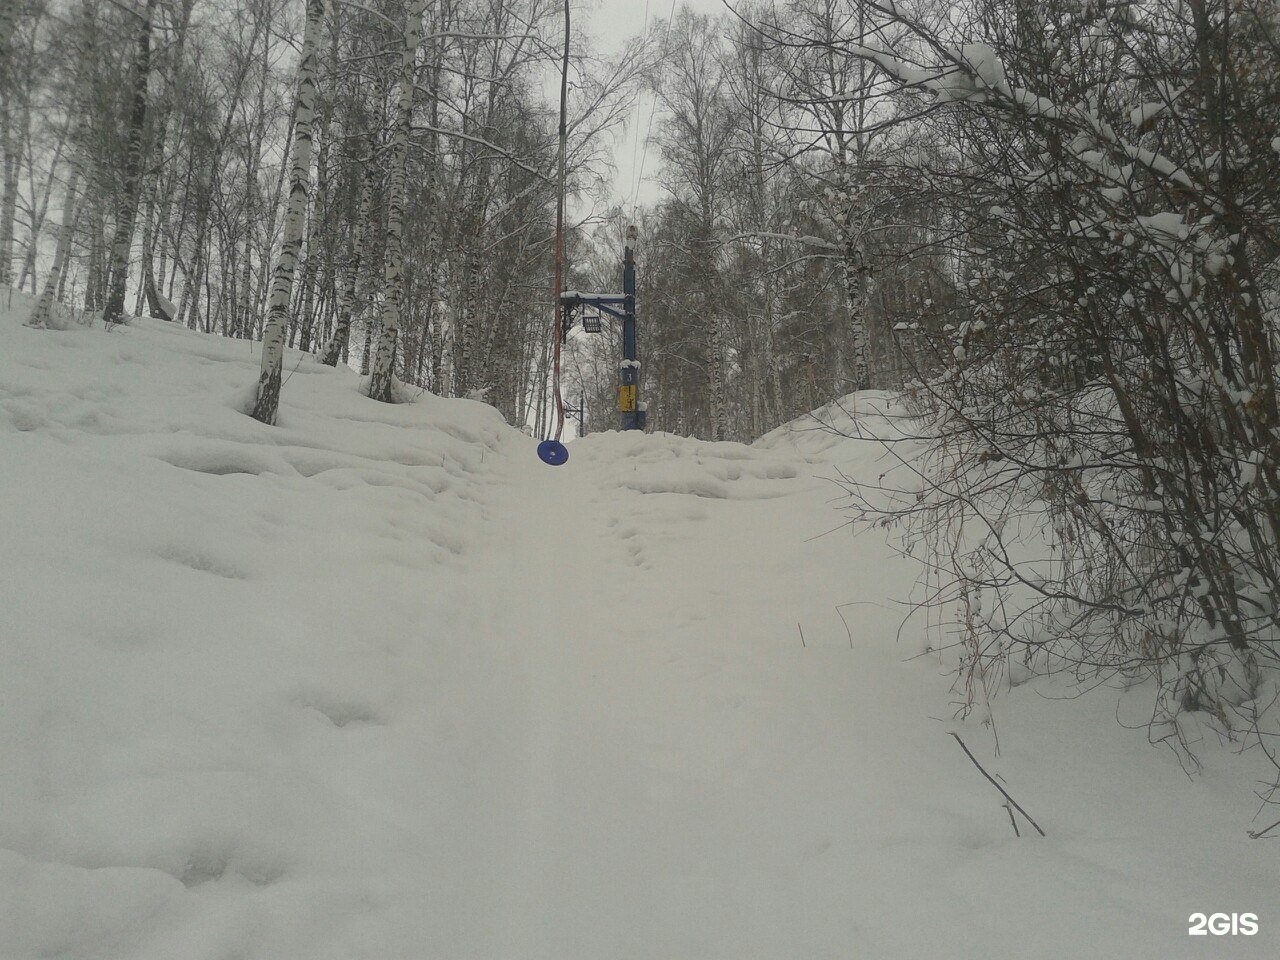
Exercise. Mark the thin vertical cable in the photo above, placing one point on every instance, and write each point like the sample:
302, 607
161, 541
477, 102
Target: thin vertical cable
559, 252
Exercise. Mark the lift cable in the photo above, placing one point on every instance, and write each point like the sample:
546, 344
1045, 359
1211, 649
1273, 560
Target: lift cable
559, 252
653, 108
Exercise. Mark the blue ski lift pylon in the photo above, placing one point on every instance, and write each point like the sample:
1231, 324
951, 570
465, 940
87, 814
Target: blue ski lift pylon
553, 452
590, 308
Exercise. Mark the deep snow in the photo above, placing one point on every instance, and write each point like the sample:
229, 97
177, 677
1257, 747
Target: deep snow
376, 683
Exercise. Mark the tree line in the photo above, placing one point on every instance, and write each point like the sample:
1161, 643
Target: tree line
360, 180
788, 239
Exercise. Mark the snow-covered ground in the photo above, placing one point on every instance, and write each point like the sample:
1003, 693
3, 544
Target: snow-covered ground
378, 684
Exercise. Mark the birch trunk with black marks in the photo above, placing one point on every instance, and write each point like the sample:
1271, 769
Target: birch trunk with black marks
41, 314
127, 211
11, 147
366, 358
855, 276
850, 189
160, 194
315, 237
333, 350
93, 280
712, 316
277, 323
716, 361
311, 268
382, 370
464, 378
39, 213
8, 152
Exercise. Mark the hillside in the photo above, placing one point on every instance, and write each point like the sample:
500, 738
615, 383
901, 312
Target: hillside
376, 683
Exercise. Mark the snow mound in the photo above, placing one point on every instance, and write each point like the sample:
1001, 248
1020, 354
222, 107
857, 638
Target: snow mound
177, 574
850, 431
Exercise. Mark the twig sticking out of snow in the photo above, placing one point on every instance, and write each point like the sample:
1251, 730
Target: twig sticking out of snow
1012, 821
1002, 790
1259, 834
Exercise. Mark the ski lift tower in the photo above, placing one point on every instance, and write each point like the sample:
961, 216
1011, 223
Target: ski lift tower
589, 306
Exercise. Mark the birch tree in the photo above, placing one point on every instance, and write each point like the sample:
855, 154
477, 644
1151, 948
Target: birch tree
10, 96
382, 372
341, 335
696, 147
22, 77
752, 72
833, 91
127, 209
43, 310
276, 328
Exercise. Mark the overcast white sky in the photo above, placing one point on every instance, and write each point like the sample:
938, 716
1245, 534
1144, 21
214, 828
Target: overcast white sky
613, 23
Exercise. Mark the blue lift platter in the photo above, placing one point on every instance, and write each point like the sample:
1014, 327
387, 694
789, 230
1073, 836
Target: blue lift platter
553, 452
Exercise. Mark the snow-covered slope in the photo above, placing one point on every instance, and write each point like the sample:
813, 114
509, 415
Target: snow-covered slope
376, 683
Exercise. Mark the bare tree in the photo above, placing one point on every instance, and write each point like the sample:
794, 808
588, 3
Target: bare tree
127, 210
268, 399
696, 147
381, 373
41, 314
1111, 364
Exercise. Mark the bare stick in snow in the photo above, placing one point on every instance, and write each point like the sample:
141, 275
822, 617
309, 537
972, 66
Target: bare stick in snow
1003, 791
1012, 821
846, 625
1259, 834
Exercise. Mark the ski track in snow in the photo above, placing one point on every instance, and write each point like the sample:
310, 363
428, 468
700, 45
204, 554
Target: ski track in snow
376, 683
